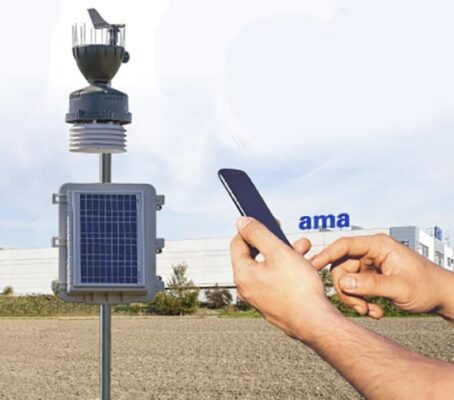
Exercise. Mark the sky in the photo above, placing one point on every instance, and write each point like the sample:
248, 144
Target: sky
330, 106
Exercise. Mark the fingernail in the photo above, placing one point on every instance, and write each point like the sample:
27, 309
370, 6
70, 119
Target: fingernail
242, 222
348, 282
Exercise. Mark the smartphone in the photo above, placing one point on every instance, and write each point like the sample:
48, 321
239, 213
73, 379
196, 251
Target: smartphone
249, 201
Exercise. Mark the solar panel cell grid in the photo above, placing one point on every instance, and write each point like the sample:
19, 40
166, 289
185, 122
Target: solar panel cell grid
108, 238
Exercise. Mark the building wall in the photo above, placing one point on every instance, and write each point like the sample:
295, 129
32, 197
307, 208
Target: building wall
33, 270
426, 240
407, 235
427, 245
449, 258
28, 270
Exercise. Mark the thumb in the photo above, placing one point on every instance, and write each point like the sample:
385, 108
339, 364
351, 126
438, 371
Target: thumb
369, 284
258, 236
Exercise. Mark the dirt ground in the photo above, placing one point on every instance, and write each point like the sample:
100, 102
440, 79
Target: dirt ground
184, 358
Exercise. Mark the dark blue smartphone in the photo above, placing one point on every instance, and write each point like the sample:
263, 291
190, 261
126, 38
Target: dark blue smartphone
249, 201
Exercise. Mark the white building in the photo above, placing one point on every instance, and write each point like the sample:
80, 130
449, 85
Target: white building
33, 270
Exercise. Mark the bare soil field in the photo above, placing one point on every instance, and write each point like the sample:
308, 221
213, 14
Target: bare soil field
184, 358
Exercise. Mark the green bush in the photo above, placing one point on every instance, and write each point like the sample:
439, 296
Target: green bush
180, 298
8, 291
327, 279
218, 298
129, 309
389, 310
240, 309
242, 305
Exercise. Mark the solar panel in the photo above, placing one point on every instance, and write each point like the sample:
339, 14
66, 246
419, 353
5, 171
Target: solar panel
108, 238
107, 242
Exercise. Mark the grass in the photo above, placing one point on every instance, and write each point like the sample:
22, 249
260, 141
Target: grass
42, 305
50, 305
239, 314
53, 306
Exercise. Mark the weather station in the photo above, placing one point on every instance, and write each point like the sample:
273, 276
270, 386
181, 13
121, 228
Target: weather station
107, 231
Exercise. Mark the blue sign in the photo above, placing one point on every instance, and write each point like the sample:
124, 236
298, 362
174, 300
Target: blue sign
438, 233
329, 221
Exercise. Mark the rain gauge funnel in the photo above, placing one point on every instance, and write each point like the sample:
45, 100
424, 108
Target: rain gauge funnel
98, 112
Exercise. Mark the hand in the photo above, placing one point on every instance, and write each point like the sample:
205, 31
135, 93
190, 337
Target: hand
284, 287
379, 266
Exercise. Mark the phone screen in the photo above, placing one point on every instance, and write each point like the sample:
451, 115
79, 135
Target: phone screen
248, 200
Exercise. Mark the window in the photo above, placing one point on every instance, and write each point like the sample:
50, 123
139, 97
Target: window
439, 258
423, 250
450, 262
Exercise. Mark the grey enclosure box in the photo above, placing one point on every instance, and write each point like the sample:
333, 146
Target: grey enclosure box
107, 242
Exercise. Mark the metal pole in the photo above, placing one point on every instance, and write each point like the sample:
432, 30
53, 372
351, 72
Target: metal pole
105, 176
105, 168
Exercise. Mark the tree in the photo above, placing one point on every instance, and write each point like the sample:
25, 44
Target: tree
8, 291
180, 298
218, 298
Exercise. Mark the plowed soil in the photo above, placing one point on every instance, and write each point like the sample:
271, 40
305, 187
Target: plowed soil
184, 358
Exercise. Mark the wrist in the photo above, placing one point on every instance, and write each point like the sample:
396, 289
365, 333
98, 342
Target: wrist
445, 289
309, 327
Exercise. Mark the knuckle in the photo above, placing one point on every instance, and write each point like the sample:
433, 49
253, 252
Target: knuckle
242, 274
382, 237
278, 253
250, 229
340, 246
341, 242
372, 281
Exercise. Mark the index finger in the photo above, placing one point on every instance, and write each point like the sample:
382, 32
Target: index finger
344, 247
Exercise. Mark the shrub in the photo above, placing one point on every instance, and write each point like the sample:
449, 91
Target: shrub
180, 298
8, 291
242, 305
389, 309
327, 280
130, 309
218, 298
